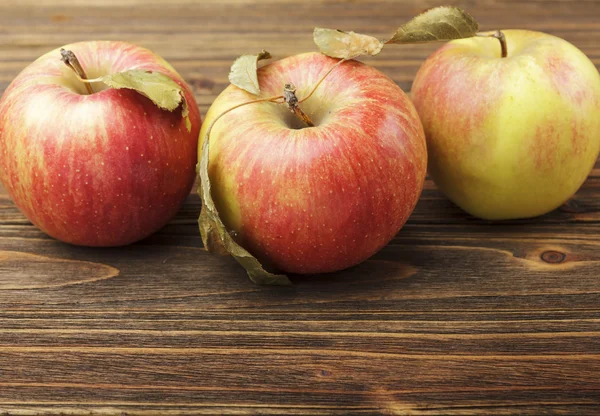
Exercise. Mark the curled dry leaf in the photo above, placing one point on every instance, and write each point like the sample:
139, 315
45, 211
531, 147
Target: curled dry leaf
438, 24
345, 45
243, 72
159, 88
217, 239
215, 235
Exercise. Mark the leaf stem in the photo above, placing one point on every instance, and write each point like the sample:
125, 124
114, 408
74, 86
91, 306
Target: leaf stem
205, 185
260, 100
278, 98
500, 36
321, 80
70, 60
289, 97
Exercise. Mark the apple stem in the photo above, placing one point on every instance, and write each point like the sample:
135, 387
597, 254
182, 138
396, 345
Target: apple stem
70, 60
500, 36
289, 96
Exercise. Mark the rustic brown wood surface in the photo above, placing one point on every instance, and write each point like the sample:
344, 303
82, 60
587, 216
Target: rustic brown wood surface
454, 316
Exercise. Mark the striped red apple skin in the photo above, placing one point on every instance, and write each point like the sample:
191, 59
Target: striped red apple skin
318, 199
105, 169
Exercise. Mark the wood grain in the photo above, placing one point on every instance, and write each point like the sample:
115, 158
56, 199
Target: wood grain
455, 316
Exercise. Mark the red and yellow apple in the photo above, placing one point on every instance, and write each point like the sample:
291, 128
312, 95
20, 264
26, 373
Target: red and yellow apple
509, 137
105, 169
316, 199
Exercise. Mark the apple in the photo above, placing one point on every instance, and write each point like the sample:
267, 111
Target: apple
316, 199
509, 137
105, 169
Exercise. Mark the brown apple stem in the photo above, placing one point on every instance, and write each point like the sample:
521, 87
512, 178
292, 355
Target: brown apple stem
500, 36
70, 60
289, 96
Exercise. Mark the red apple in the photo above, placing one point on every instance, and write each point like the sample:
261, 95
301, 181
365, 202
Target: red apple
105, 169
316, 199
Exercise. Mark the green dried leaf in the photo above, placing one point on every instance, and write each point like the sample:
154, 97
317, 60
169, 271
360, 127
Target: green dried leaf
215, 237
345, 45
243, 72
159, 88
438, 24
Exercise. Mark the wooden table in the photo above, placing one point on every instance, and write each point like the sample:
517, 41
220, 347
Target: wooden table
454, 316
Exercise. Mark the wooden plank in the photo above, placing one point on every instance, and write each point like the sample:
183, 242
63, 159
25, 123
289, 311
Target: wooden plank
455, 316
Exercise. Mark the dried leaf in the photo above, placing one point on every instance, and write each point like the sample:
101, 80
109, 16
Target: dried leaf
185, 112
162, 90
345, 45
243, 72
438, 24
215, 237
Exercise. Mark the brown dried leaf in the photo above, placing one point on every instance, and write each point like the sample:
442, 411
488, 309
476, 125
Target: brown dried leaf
345, 45
243, 72
215, 237
438, 24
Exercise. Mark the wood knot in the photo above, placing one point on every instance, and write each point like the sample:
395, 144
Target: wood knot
553, 256
22, 271
325, 373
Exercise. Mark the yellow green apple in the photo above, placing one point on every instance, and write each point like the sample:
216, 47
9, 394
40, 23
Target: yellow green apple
509, 137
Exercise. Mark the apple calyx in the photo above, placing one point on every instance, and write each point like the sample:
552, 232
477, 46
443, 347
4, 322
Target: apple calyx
289, 97
70, 60
501, 38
